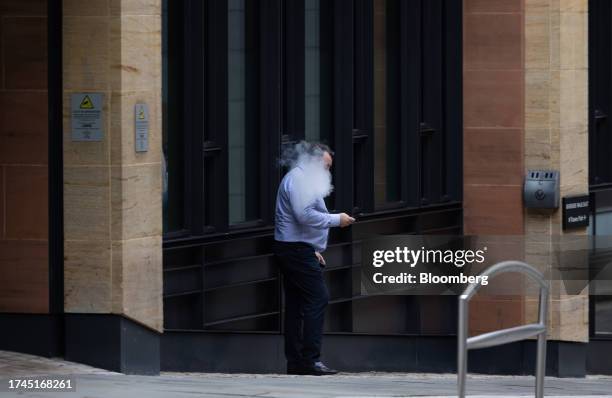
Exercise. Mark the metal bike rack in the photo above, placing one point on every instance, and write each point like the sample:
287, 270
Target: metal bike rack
503, 336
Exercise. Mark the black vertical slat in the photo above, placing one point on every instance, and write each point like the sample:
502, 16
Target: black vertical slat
604, 93
601, 85
270, 107
194, 114
432, 99
600, 89
217, 97
343, 104
253, 159
592, 40
395, 137
271, 120
189, 189
343, 128
411, 101
326, 87
294, 69
440, 185
452, 150
55, 164
363, 107
600, 65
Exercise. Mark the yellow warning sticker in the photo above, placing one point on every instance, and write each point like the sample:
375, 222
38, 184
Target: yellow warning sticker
141, 114
86, 103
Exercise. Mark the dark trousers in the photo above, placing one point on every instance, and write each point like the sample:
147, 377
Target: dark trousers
306, 298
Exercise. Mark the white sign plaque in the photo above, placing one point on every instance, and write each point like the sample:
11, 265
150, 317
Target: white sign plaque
86, 116
141, 128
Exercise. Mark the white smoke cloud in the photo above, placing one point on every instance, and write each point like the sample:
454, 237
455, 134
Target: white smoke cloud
314, 180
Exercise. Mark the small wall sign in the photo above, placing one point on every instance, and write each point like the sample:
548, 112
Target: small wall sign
141, 128
576, 210
86, 116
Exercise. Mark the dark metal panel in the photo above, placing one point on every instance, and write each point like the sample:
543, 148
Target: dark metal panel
598, 357
214, 352
184, 312
184, 279
245, 301
36, 334
112, 342
242, 285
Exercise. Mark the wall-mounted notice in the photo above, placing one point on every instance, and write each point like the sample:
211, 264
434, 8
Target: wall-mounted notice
576, 211
141, 127
86, 116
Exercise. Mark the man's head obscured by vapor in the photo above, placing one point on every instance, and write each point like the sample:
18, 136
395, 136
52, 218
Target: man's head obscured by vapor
314, 159
302, 152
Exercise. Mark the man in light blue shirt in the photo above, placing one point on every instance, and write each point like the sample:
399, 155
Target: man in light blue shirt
301, 229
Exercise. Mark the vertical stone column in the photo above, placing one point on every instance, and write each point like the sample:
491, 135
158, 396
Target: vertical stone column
556, 137
494, 97
112, 195
24, 199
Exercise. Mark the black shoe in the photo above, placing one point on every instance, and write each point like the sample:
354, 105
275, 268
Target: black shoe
318, 369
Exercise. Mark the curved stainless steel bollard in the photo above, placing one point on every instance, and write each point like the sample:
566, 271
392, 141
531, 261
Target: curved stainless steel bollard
505, 335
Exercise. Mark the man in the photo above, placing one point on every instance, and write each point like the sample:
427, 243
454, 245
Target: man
302, 223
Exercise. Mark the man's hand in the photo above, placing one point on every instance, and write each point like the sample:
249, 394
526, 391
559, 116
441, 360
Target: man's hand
346, 220
320, 258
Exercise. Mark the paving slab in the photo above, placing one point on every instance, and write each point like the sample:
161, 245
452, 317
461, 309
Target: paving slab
93, 383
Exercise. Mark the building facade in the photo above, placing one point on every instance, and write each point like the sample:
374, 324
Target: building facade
146, 244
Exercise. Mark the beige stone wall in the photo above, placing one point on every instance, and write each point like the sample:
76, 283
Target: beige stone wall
113, 209
556, 137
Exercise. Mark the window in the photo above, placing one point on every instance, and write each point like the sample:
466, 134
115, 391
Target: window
387, 100
172, 142
417, 103
308, 70
600, 299
318, 70
377, 80
243, 111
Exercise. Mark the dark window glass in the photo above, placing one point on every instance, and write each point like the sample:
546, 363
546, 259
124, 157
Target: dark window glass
387, 134
243, 110
318, 70
602, 315
172, 95
600, 224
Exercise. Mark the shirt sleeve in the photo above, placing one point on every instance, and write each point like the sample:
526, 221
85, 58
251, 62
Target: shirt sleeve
312, 216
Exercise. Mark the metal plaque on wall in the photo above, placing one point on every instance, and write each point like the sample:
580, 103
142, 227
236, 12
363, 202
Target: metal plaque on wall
86, 116
576, 211
141, 127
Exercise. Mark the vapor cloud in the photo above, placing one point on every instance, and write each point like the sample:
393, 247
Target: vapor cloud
313, 181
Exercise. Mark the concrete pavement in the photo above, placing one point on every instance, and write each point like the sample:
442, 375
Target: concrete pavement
92, 383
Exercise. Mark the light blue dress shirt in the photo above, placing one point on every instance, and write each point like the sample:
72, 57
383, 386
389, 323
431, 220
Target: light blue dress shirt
309, 225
